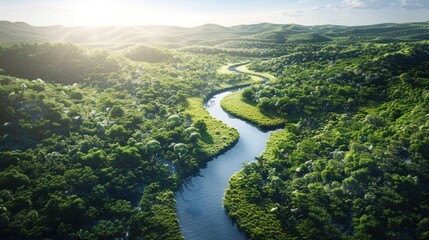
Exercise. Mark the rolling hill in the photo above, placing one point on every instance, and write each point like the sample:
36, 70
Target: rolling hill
210, 34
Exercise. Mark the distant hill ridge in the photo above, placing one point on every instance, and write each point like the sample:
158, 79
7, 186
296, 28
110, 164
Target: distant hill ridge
267, 32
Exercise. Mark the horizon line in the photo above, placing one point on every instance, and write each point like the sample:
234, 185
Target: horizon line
216, 24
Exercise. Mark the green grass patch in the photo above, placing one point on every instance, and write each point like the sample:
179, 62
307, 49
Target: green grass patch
255, 75
225, 69
234, 104
242, 68
218, 136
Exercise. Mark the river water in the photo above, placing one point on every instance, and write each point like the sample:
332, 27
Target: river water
199, 202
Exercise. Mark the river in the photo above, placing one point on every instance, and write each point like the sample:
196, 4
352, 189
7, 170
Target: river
199, 202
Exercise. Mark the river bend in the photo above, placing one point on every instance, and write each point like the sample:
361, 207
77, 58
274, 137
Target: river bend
199, 202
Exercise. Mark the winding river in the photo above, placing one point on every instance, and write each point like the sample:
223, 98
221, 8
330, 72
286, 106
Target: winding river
199, 202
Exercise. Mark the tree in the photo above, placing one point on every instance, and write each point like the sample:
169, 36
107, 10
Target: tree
174, 120
117, 111
248, 94
200, 125
81, 179
153, 147
423, 228
180, 149
126, 157
368, 227
12, 179
105, 229
96, 158
70, 209
117, 132
194, 137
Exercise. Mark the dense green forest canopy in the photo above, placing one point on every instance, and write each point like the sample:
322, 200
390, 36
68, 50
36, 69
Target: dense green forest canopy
356, 163
96, 131
86, 133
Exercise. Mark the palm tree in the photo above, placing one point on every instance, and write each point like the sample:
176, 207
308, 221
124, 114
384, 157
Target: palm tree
153, 147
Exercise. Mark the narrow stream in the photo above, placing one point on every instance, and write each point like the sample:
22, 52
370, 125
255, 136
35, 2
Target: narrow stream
199, 203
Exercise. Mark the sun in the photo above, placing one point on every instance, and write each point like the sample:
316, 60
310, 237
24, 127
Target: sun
114, 13
98, 12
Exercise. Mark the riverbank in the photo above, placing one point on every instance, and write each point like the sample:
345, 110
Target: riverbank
235, 105
219, 137
239, 202
241, 67
199, 203
245, 70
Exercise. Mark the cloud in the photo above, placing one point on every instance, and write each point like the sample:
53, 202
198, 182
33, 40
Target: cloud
377, 4
359, 4
367, 4
317, 8
414, 4
291, 13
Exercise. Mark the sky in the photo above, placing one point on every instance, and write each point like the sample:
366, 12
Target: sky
190, 13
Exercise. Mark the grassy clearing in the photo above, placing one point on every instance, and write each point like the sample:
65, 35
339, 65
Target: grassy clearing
234, 104
225, 69
258, 75
219, 136
242, 68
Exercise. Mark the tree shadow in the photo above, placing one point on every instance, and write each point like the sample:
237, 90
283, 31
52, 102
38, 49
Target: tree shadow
207, 138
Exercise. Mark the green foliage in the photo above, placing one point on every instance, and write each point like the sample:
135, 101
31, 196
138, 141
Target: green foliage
153, 146
217, 136
148, 54
13, 179
96, 158
117, 111
358, 169
157, 219
235, 104
200, 125
194, 137
93, 145
117, 132
334, 78
78, 151
180, 148
174, 120
126, 157
60, 63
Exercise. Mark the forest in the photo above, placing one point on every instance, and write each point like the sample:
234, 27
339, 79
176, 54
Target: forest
94, 145
352, 160
96, 137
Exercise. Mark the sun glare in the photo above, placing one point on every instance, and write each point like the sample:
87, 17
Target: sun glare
98, 12
94, 12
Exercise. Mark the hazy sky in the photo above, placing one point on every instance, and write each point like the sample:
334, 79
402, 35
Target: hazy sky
224, 12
